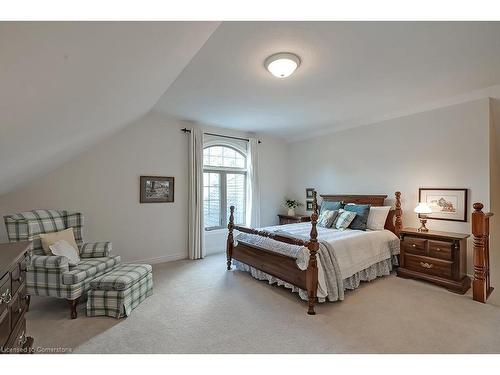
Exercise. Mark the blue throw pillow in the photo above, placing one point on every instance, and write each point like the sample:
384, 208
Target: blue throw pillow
362, 211
331, 206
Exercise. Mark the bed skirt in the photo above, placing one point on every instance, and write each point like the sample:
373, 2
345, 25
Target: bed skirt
379, 269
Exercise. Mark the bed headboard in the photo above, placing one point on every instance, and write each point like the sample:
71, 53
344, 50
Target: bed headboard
393, 223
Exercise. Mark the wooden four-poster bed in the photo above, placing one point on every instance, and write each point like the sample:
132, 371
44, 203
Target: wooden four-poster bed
285, 267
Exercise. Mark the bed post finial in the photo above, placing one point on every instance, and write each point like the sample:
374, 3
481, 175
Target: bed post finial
315, 201
398, 225
312, 268
230, 240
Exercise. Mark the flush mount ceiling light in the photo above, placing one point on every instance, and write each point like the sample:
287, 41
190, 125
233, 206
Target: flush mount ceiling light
282, 65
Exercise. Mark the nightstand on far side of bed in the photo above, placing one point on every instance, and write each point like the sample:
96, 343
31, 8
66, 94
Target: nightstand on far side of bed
286, 219
438, 257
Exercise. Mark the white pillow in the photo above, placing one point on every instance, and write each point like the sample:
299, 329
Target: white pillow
63, 248
377, 217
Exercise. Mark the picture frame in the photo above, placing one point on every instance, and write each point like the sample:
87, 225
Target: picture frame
447, 204
157, 189
309, 206
309, 193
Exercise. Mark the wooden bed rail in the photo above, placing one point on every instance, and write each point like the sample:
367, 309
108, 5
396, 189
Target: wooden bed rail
481, 288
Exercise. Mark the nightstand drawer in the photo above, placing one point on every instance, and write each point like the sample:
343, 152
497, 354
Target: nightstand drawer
414, 245
430, 266
441, 250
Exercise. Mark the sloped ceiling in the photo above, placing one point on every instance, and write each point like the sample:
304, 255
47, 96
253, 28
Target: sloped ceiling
64, 86
351, 73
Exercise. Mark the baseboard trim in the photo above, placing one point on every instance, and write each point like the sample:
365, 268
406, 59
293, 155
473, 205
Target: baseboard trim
162, 259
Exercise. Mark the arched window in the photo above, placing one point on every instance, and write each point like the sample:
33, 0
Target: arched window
224, 185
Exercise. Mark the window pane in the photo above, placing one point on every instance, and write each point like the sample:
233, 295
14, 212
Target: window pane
222, 156
211, 199
236, 196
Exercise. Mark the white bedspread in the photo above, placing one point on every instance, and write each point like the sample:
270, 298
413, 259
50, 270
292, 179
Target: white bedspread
351, 250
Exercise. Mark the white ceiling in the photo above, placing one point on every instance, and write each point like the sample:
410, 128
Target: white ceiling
350, 72
64, 86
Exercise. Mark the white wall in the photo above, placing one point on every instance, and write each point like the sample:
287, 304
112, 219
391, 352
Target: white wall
447, 147
495, 198
103, 183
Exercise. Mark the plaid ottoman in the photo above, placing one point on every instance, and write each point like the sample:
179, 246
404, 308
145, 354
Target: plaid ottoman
119, 291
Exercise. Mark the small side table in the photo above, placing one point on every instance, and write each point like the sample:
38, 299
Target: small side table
286, 219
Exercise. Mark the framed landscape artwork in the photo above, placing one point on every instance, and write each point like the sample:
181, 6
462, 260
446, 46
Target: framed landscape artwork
309, 206
446, 204
156, 189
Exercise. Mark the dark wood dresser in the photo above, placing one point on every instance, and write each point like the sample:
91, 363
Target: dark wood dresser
14, 301
287, 219
438, 257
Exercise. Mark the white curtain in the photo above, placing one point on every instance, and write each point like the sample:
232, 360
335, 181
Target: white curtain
253, 185
196, 230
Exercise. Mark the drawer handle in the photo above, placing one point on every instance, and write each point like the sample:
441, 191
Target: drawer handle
19, 310
438, 249
22, 339
413, 245
6, 297
426, 265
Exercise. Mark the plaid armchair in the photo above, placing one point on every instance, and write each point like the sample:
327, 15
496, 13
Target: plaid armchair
50, 275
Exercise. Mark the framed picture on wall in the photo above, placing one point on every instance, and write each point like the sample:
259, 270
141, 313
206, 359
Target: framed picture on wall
156, 189
309, 205
309, 193
446, 204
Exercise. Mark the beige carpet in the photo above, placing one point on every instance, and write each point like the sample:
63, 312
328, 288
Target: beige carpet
199, 307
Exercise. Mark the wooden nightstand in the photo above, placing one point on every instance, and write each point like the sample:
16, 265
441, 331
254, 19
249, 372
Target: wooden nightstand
286, 219
438, 257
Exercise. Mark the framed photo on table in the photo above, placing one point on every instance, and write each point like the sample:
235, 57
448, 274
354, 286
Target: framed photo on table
446, 204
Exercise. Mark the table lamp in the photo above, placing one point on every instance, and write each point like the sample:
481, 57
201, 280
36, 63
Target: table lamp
423, 210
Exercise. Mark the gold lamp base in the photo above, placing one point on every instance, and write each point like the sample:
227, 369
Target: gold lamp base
423, 220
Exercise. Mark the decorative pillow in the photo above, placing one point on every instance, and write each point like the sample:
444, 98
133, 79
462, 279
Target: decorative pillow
344, 219
327, 218
62, 247
48, 239
377, 217
331, 206
362, 211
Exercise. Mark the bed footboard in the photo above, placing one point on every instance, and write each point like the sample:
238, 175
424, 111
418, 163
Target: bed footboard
275, 264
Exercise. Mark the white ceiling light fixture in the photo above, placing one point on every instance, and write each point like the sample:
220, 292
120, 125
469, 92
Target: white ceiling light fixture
282, 65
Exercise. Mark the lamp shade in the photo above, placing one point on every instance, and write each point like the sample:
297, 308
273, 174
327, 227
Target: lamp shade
423, 208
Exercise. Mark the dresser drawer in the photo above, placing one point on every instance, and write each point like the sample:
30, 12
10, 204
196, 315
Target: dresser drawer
5, 292
430, 266
18, 337
414, 245
5, 328
16, 309
17, 277
441, 250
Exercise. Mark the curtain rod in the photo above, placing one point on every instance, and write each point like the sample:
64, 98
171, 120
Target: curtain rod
186, 130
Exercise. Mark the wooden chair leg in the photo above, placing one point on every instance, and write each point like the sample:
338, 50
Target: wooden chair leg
73, 303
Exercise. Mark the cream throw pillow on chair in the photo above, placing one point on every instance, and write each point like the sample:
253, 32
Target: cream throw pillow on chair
50, 238
63, 248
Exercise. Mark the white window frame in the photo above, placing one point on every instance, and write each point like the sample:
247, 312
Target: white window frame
223, 172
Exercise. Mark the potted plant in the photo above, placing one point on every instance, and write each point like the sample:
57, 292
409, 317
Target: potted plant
292, 204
